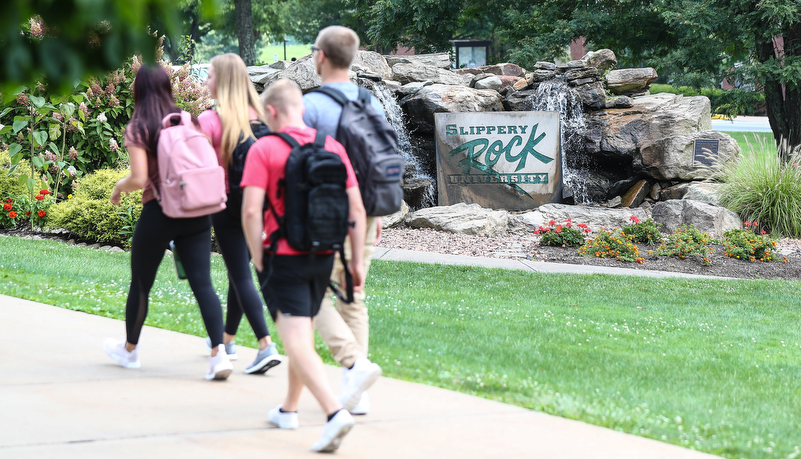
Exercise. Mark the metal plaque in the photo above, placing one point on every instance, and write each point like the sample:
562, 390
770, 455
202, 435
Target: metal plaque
499, 160
705, 152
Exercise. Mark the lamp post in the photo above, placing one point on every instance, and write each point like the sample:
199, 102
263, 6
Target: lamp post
285, 40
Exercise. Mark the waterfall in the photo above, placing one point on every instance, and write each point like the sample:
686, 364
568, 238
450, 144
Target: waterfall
556, 95
414, 176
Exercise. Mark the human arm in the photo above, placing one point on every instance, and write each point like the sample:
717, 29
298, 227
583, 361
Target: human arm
378, 229
356, 233
253, 223
137, 179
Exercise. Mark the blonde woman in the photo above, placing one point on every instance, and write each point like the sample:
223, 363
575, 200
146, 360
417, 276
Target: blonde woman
229, 125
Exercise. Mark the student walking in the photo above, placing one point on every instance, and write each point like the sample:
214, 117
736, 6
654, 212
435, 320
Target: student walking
230, 130
154, 230
344, 329
293, 282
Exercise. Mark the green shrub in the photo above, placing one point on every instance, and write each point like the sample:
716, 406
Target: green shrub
608, 244
90, 215
762, 187
687, 241
558, 235
746, 245
10, 186
642, 232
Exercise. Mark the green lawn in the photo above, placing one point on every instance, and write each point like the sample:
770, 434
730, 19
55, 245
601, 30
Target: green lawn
709, 364
759, 141
267, 53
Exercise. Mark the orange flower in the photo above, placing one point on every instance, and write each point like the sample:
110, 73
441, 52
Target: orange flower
41, 214
12, 215
7, 206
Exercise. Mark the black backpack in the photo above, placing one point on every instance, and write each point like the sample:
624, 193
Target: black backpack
372, 147
236, 167
316, 207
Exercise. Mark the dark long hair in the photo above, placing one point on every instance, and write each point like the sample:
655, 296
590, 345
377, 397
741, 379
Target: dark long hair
152, 102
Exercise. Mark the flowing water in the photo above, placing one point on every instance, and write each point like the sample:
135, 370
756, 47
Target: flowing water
557, 95
395, 117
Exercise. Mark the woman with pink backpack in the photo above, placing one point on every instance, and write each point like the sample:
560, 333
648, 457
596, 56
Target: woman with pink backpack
153, 101
233, 126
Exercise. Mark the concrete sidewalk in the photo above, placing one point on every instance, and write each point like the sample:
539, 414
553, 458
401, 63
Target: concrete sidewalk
62, 397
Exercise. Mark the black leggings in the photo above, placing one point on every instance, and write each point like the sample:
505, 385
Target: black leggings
151, 238
242, 294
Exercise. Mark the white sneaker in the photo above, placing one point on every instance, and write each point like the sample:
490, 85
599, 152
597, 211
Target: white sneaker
282, 420
363, 407
116, 350
333, 432
359, 378
230, 349
219, 365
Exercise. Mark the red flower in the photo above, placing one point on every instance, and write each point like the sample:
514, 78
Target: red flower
537, 232
568, 224
7, 206
764, 232
39, 197
27, 213
747, 223
9, 200
12, 215
558, 229
634, 219
41, 214
755, 224
551, 222
44, 192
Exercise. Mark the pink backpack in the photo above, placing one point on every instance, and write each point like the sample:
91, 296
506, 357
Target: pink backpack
192, 182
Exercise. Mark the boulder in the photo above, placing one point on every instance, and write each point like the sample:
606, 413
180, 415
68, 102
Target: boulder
421, 106
581, 73
407, 73
619, 102
636, 195
545, 66
478, 77
495, 69
592, 96
370, 62
439, 60
674, 192
620, 133
301, 72
703, 192
627, 81
673, 157
519, 101
540, 75
461, 218
492, 82
412, 88
603, 59
528, 220
656, 191
705, 217
417, 190
260, 73
507, 81
595, 217
396, 219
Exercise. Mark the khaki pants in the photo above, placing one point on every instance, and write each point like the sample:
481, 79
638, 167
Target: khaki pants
345, 328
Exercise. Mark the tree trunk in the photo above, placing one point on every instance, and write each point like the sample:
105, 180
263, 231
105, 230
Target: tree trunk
783, 101
244, 31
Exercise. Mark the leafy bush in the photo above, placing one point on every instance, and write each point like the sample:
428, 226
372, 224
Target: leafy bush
10, 186
612, 244
687, 241
90, 215
642, 232
762, 187
562, 235
747, 245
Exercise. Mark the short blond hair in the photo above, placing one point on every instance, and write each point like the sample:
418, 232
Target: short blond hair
339, 45
284, 95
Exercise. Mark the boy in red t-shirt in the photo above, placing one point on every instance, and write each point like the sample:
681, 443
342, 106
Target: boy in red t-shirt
297, 284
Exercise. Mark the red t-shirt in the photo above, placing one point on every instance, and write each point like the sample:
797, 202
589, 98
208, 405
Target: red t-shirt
265, 167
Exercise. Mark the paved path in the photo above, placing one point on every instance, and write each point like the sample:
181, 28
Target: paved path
62, 397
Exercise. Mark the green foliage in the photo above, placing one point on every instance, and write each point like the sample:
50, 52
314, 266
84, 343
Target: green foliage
64, 41
10, 184
558, 235
687, 241
89, 213
764, 188
425, 25
612, 244
642, 232
746, 245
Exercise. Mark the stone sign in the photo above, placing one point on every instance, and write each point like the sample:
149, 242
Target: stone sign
504, 160
705, 152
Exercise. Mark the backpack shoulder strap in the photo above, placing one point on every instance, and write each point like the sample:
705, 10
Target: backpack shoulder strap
319, 139
286, 138
334, 94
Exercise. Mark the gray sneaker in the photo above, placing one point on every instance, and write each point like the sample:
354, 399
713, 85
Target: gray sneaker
230, 349
265, 360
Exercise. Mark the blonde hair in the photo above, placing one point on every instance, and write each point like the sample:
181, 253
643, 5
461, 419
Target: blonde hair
339, 45
284, 95
235, 94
